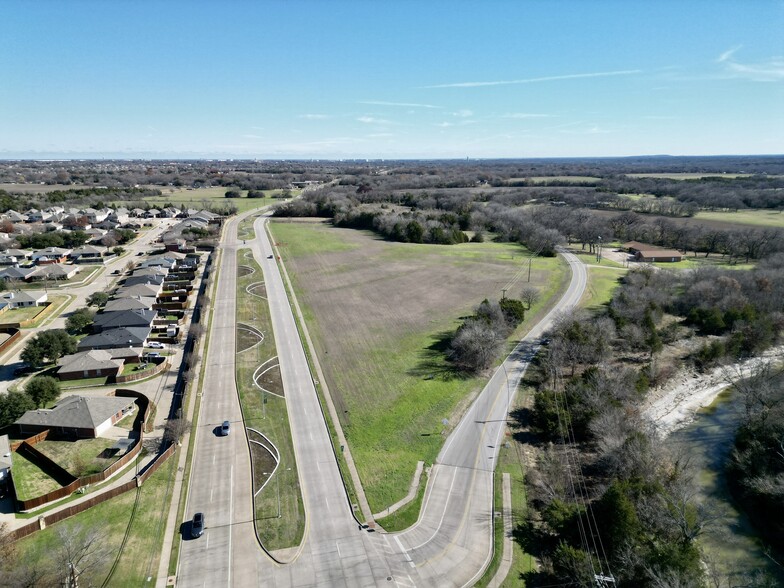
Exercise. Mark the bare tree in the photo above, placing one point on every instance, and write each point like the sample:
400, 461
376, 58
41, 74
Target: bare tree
175, 429
81, 552
530, 296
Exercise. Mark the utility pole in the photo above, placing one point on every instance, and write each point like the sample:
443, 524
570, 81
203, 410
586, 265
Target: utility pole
503, 293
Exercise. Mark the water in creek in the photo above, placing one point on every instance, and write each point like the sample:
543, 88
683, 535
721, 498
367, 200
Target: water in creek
731, 544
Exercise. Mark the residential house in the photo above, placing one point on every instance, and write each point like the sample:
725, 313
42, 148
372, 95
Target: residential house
86, 254
15, 217
25, 298
111, 338
152, 213
137, 212
54, 271
50, 255
78, 416
21, 254
132, 303
17, 274
143, 290
123, 318
153, 280
96, 363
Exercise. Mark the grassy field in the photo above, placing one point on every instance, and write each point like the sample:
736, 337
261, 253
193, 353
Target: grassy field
266, 412
756, 218
601, 284
688, 175
559, 179
379, 313
79, 458
139, 558
30, 481
205, 197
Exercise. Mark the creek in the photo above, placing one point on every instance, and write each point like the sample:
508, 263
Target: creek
730, 544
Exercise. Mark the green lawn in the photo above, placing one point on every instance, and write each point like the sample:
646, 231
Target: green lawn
139, 558
30, 481
18, 315
601, 285
206, 197
392, 305
80, 458
267, 413
757, 218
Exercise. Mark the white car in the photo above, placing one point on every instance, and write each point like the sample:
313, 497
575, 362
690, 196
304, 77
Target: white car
155, 345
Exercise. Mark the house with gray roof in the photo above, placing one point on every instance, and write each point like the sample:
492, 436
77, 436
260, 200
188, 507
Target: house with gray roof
17, 273
24, 298
78, 416
54, 271
152, 280
143, 290
131, 303
111, 338
123, 318
86, 254
95, 363
50, 255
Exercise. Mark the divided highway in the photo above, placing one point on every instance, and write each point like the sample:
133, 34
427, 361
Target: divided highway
449, 546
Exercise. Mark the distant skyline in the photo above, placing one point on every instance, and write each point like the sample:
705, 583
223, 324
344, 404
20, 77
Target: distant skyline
335, 79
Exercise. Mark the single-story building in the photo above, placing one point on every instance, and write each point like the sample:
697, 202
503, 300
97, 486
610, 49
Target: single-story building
51, 255
17, 273
123, 318
86, 253
54, 271
111, 338
24, 298
132, 303
139, 290
79, 416
660, 255
96, 363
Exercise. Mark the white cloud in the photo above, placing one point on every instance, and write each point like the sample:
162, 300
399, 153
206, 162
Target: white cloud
314, 116
599, 74
771, 70
728, 54
526, 115
464, 113
404, 104
371, 120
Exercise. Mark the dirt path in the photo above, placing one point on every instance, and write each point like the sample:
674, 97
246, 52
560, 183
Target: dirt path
674, 405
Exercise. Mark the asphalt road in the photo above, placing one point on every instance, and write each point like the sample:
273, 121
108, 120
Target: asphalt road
449, 546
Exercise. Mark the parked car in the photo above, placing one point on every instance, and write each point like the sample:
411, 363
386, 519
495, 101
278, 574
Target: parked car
155, 345
269, 257
151, 355
197, 525
225, 428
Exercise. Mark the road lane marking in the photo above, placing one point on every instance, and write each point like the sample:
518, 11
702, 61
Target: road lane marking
443, 514
405, 553
338, 547
231, 515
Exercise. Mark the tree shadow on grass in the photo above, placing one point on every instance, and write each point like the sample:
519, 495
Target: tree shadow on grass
520, 424
433, 363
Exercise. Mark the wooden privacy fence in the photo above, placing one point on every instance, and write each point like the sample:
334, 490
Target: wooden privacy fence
15, 334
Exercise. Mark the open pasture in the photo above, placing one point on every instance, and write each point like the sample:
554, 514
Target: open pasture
380, 314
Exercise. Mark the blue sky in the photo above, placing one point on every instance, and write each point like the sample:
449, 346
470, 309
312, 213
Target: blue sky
394, 79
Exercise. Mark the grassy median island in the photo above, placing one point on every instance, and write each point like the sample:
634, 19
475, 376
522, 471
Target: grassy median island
380, 314
280, 513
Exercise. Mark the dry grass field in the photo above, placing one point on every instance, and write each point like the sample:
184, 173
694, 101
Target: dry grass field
379, 313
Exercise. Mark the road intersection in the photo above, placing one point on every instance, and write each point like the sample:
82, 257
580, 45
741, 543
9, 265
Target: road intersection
450, 545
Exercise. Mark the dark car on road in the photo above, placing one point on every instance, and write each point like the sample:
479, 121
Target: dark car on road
225, 428
197, 525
